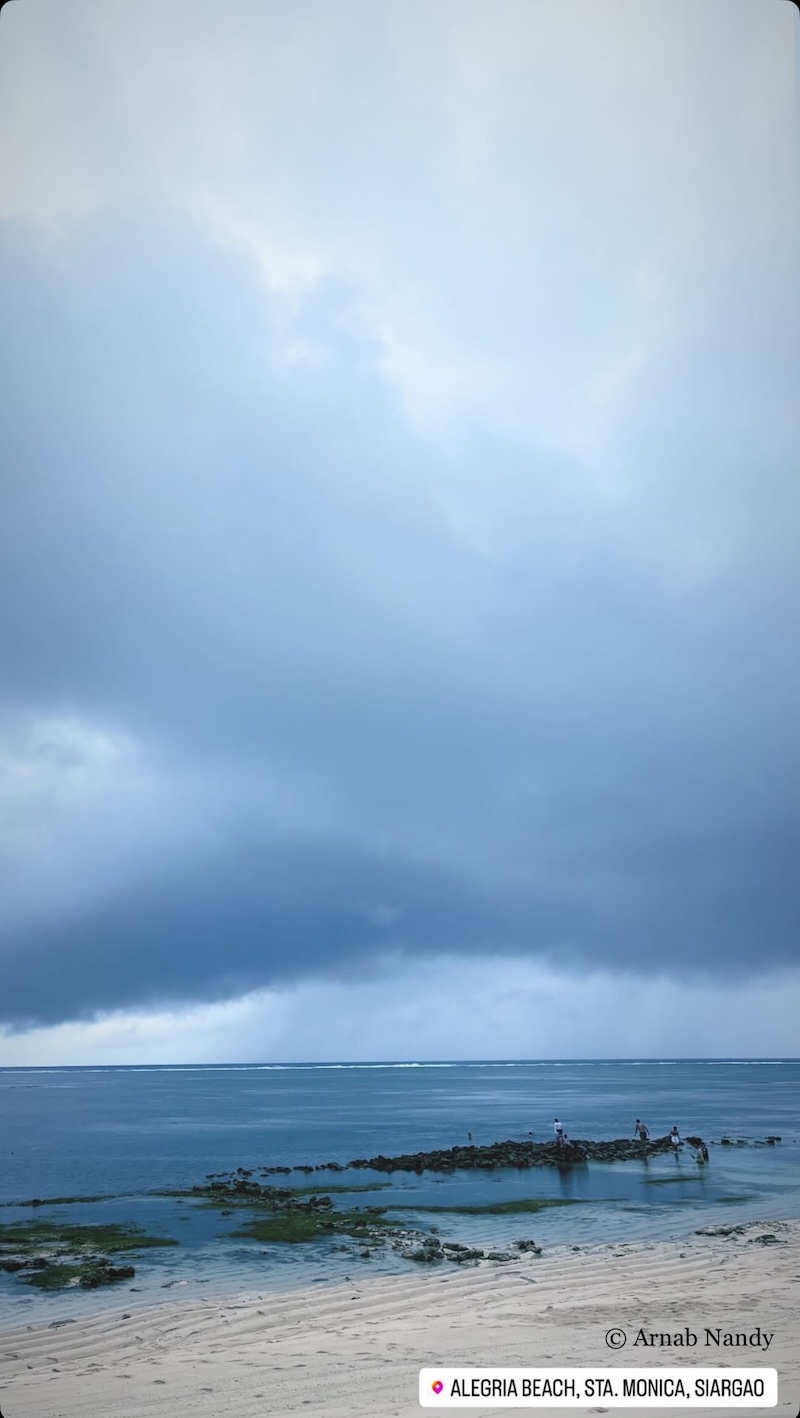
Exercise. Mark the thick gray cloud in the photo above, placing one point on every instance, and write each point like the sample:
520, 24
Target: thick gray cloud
264, 914
369, 590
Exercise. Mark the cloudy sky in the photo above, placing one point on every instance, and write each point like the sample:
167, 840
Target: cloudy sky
399, 529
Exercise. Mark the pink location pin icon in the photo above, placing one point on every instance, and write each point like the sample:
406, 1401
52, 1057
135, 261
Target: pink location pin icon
437, 1386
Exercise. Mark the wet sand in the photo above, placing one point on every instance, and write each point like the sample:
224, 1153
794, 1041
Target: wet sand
354, 1350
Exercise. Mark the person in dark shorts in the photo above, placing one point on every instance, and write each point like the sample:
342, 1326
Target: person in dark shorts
558, 1129
641, 1131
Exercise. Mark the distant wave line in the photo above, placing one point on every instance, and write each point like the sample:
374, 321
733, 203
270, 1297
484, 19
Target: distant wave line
22, 1070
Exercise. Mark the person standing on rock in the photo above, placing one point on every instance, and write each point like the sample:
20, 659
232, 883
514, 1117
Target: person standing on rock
559, 1132
640, 1131
675, 1139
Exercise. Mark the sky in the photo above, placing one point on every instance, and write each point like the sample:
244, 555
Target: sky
399, 523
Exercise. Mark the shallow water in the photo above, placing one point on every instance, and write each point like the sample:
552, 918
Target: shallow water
126, 1133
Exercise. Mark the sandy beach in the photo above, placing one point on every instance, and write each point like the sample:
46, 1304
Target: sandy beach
349, 1351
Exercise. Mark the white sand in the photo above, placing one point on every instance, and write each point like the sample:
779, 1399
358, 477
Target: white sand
354, 1351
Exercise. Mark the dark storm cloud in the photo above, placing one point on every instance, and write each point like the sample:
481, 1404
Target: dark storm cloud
266, 914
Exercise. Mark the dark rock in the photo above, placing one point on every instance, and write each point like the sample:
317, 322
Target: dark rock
515, 1155
721, 1231
106, 1274
424, 1255
319, 1203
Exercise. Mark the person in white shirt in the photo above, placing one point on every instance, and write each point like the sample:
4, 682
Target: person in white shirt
675, 1138
559, 1132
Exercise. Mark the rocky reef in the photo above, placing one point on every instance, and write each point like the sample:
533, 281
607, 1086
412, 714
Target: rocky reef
290, 1215
510, 1154
52, 1256
516, 1154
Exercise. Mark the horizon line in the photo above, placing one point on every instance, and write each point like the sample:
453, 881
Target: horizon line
409, 1063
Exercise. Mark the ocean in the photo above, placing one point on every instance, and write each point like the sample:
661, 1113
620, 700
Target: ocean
124, 1134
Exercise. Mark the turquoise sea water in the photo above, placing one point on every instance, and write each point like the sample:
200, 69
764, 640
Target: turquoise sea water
125, 1133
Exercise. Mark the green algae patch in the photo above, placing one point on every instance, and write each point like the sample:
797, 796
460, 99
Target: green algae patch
496, 1208
57, 1200
332, 1191
55, 1276
668, 1181
88, 1274
53, 1256
26, 1236
293, 1225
